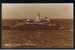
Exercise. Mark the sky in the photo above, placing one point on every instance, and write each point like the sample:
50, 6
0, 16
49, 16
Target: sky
52, 10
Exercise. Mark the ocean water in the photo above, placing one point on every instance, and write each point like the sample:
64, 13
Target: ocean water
37, 39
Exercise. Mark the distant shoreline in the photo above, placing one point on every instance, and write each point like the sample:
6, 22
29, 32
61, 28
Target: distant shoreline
23, 18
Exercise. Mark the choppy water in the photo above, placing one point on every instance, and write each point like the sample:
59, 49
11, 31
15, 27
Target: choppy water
37, 39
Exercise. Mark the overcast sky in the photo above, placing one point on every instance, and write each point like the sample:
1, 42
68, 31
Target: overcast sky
54, 10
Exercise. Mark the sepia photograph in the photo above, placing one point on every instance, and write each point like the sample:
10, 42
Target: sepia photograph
37, 25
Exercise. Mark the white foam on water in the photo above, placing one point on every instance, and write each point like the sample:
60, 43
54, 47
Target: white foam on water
8, 45
30, 44
19, 44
